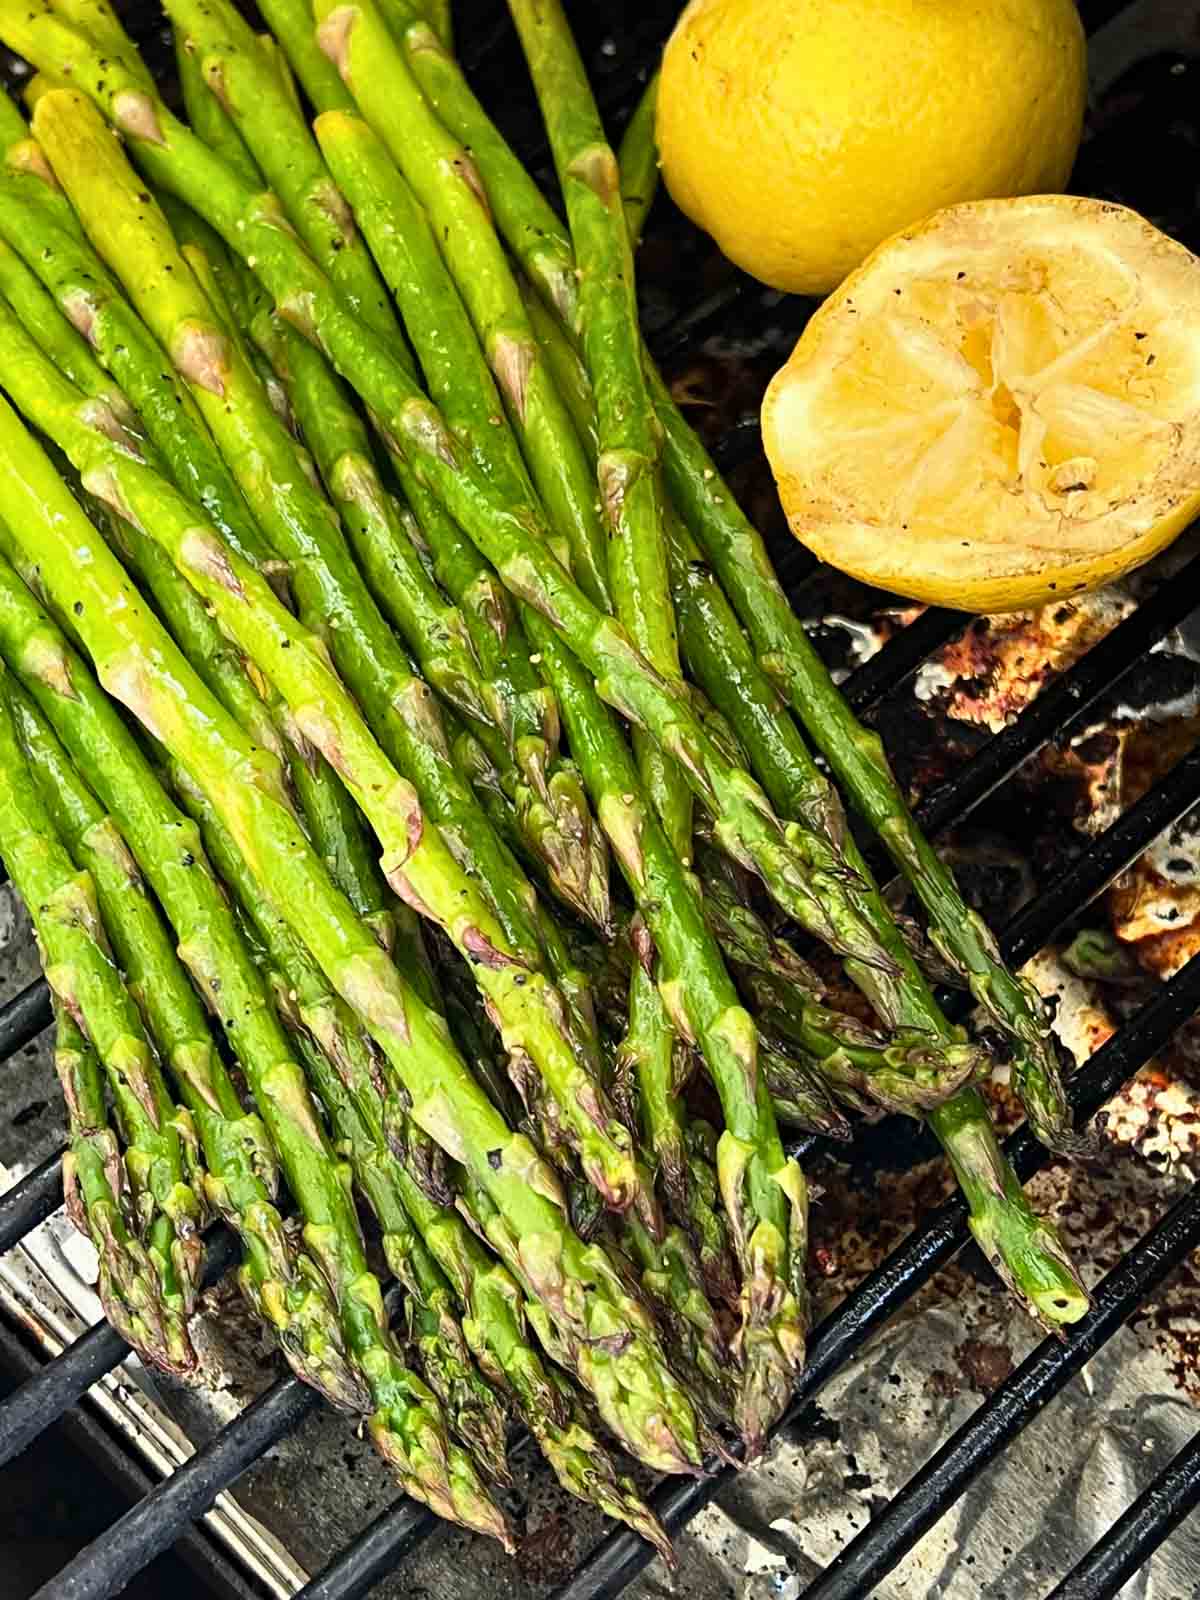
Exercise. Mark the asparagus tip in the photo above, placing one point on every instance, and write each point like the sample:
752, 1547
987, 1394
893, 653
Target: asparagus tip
764, 1392
472, 1505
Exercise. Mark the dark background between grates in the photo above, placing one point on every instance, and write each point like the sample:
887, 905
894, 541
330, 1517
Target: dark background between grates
1146, 157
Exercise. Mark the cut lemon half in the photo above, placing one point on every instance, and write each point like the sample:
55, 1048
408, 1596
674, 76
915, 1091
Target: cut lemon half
1000, 408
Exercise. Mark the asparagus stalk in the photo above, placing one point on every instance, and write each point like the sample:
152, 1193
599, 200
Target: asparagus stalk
355, 1118
98, 1201
62, 343
475, 1410
494, 1322
549, 805
667, 1272
627, 466
800, 1096
338, 439
99, 21
627, 470
153, 1288
13, 128
291, 22
206, 114
621, 1362
444, 177
405, 1423
281, 67
566, 364
399, 13
650, 1055
24, 160
532, 1011
284, 1285
517, 546
1025, 1250
239, 75
763, 1193
637, 161
533, 231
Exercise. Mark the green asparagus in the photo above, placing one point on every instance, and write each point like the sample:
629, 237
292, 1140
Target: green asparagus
62, 343
98, 1201
405, 1424
620, 1360
628, 478
473, 1408
763, 1193
237, 72
337, 134
206, 114
549, 807
283, 1284
443, 175
152, 1288
418, 861
1037, 1266
637, 162
801, 1097
517, 546
627, 466
493, 1325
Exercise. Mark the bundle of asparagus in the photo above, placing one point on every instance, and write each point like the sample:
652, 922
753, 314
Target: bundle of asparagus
334, 457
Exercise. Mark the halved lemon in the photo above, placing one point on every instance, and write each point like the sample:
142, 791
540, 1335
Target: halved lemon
1001, 407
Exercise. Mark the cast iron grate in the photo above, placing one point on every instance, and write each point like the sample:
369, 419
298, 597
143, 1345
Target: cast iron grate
166, 1512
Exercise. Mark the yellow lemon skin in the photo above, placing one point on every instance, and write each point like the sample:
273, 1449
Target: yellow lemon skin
801, 133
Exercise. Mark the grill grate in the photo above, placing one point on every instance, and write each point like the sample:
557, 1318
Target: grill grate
166, 1512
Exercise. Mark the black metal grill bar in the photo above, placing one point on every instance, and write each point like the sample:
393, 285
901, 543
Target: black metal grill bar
374, 1553
23, 1017
617, 1559
151, 1526
672, 339
37, 1196
104, 1449
1134, 1537
1063, 702
928, 1495
42, 1398
1055, 708
1118, 847
891, 667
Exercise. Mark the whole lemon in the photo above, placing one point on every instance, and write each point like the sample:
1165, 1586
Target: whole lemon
801, 133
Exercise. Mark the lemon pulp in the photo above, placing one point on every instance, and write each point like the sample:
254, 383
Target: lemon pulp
1002, 405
